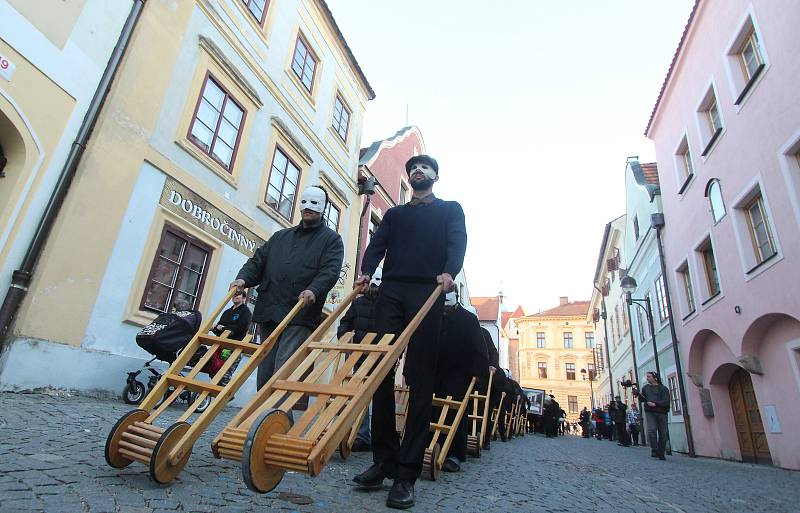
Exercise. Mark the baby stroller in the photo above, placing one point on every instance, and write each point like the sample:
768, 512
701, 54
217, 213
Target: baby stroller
164, 338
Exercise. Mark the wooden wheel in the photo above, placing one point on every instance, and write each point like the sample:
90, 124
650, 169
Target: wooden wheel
113, 457
473, 446
160, 469
345, 449
258, 476
430, 467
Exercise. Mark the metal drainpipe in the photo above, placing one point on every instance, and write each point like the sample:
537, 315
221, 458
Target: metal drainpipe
681, 384
21, 278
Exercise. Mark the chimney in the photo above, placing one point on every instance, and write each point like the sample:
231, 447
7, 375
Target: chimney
563, 300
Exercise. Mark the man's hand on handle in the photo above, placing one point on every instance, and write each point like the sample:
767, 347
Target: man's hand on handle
307, 297
237, 284
362, 283
446, 281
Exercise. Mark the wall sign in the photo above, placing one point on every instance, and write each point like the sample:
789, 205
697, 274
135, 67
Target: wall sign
178, 199
771, 412
6, 67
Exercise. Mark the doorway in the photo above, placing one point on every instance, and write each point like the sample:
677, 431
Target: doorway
747, 418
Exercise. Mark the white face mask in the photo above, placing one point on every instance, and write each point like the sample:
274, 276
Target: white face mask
450, 299
425, 169
377, 277
313, 198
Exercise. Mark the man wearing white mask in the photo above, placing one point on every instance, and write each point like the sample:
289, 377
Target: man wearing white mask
422, 244
301, 262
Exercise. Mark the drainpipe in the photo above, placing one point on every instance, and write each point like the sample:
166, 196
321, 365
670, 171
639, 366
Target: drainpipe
657, 221
21, 278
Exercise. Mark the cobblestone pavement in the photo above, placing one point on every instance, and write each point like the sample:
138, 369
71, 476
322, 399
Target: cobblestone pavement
51, 459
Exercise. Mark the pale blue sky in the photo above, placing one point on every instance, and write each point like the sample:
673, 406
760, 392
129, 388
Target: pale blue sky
531, 108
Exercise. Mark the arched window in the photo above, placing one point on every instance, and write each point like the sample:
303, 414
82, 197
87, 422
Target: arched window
714, 195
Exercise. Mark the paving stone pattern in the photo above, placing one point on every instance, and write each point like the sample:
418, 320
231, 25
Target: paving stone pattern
51, 459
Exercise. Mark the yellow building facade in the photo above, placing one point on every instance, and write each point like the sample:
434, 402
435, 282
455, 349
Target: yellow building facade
554, 347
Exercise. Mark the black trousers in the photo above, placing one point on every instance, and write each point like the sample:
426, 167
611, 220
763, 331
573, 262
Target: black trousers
622, 435
398, 303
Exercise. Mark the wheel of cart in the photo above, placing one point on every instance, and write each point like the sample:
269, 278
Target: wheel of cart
401, 409
266, 439
496, 420
166, 450
435, 454
478, 420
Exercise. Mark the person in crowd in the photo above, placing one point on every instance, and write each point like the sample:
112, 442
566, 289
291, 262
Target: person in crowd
562, 419
462, 355
619, 413
235, 319
550, 416
298, 263
586, 421
360, 319
498, 383
633, 423
422, 244
600, 423
654, 398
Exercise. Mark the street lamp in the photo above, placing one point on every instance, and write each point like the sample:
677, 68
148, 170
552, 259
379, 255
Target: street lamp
628, 285
591, 388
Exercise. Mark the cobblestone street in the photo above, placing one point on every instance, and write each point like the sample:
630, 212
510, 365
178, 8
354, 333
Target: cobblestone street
51, 459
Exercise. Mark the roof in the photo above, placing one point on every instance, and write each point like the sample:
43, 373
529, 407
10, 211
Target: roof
506, 316
367, 154
571, 309
488, 307
600, 259
350, 57
672, 66
646, 175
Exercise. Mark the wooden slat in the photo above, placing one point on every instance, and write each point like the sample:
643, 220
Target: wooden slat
350, 348
139, 440
136, 448
315, 388
135, 456
229, 343
150, 427
195, 385
441, 427
448, 402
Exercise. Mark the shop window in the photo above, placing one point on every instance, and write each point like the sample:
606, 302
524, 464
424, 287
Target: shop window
178, 272
282, 188
217, 122
304, 63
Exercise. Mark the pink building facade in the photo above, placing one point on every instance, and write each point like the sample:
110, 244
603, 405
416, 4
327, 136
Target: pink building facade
726, 128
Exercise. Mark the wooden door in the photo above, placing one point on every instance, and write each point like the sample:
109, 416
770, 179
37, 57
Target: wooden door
747, 418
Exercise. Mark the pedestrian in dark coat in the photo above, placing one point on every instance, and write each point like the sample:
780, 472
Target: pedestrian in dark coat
550, 416
654, 398
498, 382
619, 412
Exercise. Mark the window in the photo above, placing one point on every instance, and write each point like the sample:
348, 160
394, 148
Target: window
592, 371
573, 403
178, 272
709, 120
685, 159
714, 195
304, 63
542, 370
750, 57
373, 227
636, 227
257, 8
567, 340
623, 315
540, 342
588, 338
672, 383
403, 193
332, 216
710, 265
640, 323
571, 371
661, 296
283, 179
758, 227
688, 293
341, 118
713, 118
217, 123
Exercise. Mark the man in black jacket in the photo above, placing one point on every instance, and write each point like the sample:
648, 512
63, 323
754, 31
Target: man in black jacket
422, 244
619, 414
360, 318
655, 399
498, 383
236, 318
298, 263
462, 355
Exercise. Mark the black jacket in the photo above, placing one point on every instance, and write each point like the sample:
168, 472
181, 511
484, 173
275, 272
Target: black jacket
291, 261
462, 350
236, 319
360, 317
618, 412
658, 394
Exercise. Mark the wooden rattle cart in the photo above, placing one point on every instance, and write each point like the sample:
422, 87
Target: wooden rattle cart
435, 455
479, 419
496, 420
166, 450
266, 439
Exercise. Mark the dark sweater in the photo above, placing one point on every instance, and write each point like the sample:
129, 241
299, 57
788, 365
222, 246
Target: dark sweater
419, 242
658, 394
236, 319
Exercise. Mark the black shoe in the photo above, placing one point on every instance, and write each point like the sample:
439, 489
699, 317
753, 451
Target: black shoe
372, 478
361, 446
451, 465
653, 455
401, 496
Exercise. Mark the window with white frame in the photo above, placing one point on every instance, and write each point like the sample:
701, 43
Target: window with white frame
640, 322
540, 340
341, 118
686, 282
715, 201
258, 8
567, 340
304, 63
672, 384
661, 298
709, 120
284, 177
588, 338
683, 157
761, 237
570, 367
404, 193
332, 213
706, 251
746, 60
217, 122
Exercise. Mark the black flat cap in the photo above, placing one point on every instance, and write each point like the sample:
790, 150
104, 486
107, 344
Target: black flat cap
425, 159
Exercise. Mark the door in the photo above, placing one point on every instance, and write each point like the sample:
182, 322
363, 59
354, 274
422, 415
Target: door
746, 416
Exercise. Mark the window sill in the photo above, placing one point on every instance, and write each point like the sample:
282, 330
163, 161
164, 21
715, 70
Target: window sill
750, 84
342, 143
309, 96
763, 266
272, 213
712, 142
686, 183
687, 316
711, 300
140, 318
762, 263
190, 148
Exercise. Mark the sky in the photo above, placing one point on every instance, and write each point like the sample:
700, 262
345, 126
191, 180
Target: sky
531, 108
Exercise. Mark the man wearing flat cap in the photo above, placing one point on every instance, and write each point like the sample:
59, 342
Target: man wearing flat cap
422, 244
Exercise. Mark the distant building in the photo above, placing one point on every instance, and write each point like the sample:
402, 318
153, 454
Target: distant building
510, 334
555, 346
488, 308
